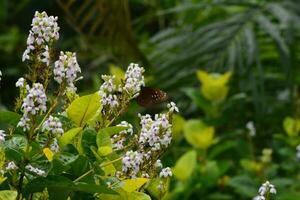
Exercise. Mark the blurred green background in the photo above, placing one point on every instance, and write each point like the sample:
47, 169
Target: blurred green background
256, 40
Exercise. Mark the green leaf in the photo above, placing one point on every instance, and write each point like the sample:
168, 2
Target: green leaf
88, 141
103, 138
291, 126
92, 188
131, 185
138, 196
84, 108
185, 165
113, 130
68, 136
177, 126
8, 117
243, 185
59, 187
104, 143
8, 195
199, 134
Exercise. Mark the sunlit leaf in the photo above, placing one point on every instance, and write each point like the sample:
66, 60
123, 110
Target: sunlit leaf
68, 136
131, 185
84, 108
185, 165
199, 134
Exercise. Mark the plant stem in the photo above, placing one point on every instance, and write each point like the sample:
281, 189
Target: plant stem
91, 170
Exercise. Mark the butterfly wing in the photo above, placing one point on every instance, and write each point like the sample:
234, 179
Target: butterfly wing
151, 96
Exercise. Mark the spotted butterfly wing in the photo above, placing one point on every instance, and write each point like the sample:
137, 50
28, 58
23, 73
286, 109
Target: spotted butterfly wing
151, 96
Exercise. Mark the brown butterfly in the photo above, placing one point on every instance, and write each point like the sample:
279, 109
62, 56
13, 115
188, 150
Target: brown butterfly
151, 96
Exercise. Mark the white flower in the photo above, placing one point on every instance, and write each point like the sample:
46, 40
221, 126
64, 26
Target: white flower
66, 69
134, 79
33, 103
259, 198
2, 136
158, 164
172, 107
53, 125
44, 31
20, 82
0, 75
11, 166
165, 172
129, 129
264, 190
250, 126
35, 170
131, 163
54, 146
155, 133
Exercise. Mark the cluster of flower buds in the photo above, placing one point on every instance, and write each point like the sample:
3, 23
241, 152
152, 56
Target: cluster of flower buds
107, 92
44, 31
35, 170
130, 88
155, 133
118, 140
33, 103
264, 190
155, 136
53, 125
66, 69
134, 80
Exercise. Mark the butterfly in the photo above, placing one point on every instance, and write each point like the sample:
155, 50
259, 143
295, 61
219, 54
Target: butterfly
150, 96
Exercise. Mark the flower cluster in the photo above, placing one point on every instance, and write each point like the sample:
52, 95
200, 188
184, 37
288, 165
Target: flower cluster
21, 83
134, 79
34, 102
264, 190
2, 136
11, 166
66, 69
298, 152
118, 139
35, 170
165, 172
44, 31
54, 146
132, 162
251, 128
154, 137
131, 87
107, 92
155, 133
53, 125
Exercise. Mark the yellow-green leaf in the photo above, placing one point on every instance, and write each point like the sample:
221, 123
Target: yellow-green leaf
138, 196
117, 72
84, 108
214, 86
177, 126
68, 136
131, 185
199, 134
2, 179
48, 153
291, 126
104, 143
185, 165
8, 195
